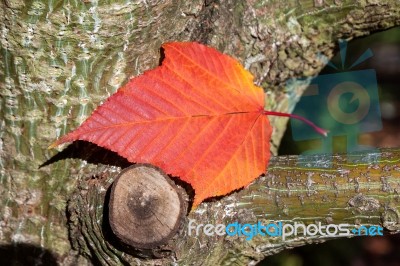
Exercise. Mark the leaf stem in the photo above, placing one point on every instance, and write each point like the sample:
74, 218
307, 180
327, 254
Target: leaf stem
308, 122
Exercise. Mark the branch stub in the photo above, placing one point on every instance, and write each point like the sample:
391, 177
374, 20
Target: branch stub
146, 208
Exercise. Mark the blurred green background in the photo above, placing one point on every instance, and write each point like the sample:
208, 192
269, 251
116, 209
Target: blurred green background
358, 251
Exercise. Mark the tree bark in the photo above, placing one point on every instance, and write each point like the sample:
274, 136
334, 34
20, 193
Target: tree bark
364, 192
60, 59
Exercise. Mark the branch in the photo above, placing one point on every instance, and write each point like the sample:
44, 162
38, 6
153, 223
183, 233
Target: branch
357, 193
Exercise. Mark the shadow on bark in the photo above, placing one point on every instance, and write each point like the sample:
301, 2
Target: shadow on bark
89, 152
26, 254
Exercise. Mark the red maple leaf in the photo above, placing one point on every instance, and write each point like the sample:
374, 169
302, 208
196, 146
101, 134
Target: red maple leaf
198, 116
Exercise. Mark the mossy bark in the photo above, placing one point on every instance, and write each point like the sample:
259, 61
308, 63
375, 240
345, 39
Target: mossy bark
60, 59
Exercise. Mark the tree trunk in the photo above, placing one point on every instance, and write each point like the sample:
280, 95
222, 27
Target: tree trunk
60, 59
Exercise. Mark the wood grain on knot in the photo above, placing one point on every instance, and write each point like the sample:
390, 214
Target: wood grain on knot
146, 209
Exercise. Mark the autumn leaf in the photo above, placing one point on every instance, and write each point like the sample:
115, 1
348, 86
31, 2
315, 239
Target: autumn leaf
198, 116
